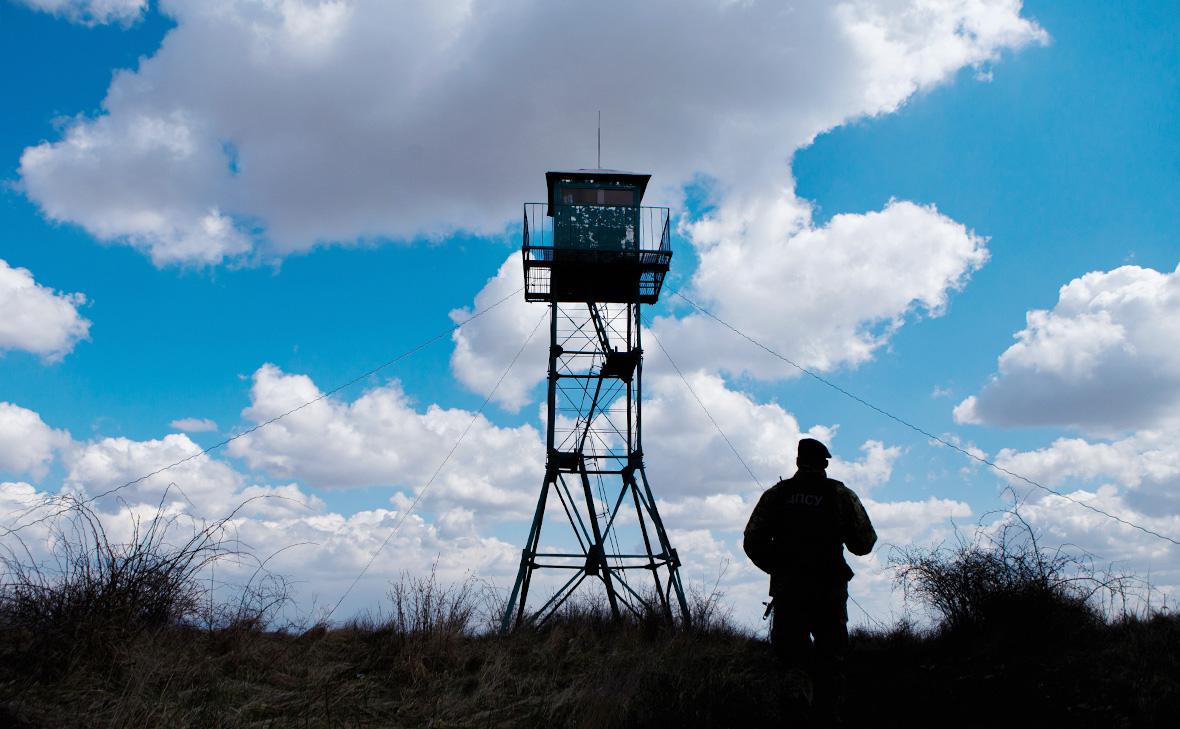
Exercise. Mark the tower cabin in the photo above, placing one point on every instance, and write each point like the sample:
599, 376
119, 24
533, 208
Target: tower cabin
593, 241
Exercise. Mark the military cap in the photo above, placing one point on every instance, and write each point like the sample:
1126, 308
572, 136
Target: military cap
811, 450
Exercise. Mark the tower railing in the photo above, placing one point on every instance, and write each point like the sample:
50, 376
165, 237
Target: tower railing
629, 245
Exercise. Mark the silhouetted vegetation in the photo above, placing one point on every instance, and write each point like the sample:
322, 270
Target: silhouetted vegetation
1008, 585
124, 632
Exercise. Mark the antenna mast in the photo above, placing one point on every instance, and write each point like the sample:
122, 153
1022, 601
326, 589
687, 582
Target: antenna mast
600, 140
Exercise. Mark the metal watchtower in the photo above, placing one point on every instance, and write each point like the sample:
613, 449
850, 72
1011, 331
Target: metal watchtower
594, 254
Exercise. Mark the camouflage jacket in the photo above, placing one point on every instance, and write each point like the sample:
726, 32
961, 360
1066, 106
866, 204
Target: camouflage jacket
800, 527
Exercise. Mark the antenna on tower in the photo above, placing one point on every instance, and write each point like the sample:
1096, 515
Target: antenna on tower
599, 139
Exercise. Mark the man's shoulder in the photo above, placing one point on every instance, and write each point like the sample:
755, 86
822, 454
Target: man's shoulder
843, 492
788, 485
772, 493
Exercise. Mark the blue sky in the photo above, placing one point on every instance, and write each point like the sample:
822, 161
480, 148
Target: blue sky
1054, 140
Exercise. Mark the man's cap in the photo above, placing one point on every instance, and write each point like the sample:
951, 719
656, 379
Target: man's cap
811, 449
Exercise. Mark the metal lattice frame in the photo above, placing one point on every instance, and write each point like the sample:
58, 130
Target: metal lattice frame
595, 486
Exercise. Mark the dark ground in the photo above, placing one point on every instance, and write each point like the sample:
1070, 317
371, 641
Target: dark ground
582, 672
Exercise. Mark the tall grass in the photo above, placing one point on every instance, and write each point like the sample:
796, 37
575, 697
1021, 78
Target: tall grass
91, 591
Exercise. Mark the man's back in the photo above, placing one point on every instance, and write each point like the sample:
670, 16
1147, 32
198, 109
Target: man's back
800, 526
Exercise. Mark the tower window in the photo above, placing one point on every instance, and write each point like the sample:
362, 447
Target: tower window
597, 196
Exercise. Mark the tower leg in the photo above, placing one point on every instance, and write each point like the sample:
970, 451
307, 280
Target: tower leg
527, 556
598, 551
666, 546
651, 560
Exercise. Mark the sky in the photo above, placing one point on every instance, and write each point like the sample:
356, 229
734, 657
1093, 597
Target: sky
963, 212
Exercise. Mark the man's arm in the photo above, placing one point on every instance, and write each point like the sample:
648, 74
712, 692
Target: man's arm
859, 535
758, 541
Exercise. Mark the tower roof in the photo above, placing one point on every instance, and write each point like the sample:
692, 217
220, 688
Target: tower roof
592, 176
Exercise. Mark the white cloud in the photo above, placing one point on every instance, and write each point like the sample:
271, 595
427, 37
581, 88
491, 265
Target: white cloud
1103, 359
485, 347
194, 425
1110, 542
37, 319
821, 296
92, 12
907, 522
381, 439
104, 464
273, 127
871, 471
692, 465
27, 444
726, 512
1145, 467
20, 505
686, 455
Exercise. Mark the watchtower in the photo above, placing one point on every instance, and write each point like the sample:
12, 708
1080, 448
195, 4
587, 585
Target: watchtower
595, 254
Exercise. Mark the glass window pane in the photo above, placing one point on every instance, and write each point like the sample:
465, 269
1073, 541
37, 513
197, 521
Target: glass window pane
618, 197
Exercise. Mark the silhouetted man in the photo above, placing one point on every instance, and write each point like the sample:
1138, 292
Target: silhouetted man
797, 533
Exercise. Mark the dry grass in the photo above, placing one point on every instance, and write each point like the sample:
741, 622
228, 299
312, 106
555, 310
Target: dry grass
123, 635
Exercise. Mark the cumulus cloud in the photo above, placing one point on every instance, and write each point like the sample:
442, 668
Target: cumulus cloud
688, 457
27, 444
1144, 467
906, 522
274, 127
822, 296
37, 319
194, 425
1133, 476
485, 347
1152, 562
1103, 359
108, 463
92, 12
1109, 541
694, 469
381, 439
320, 550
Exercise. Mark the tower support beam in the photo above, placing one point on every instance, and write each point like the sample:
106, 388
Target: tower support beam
611, 524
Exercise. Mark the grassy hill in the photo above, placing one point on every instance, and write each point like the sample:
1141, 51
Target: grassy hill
585, 672
123, 635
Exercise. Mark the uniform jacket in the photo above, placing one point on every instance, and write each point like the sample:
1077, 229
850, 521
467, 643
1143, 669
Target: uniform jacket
800, 527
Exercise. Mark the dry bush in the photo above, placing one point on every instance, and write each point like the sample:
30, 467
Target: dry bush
1009, 582
422, 607
708, 610
94, 592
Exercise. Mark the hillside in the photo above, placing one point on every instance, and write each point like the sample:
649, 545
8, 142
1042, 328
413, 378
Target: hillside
583, 672
125, 634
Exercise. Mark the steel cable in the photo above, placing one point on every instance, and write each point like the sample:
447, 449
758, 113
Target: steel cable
417, 498
918, 429
328, 393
